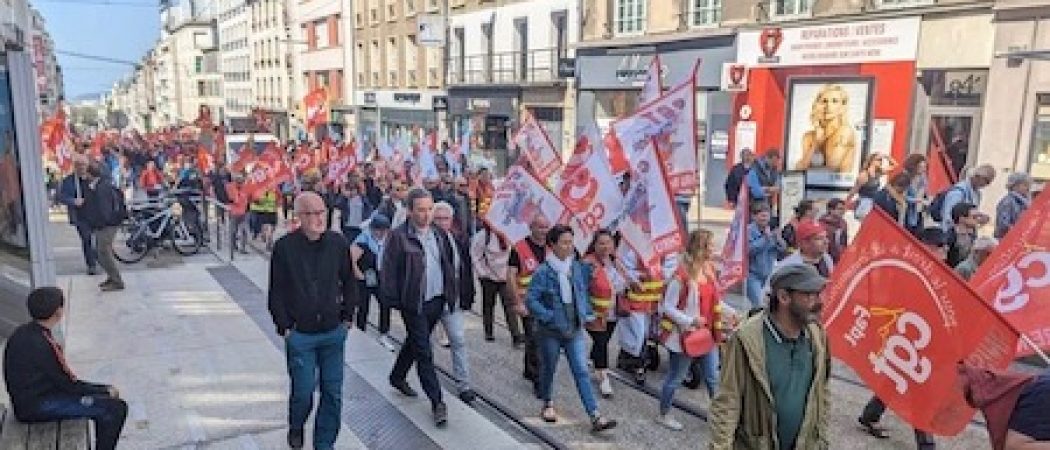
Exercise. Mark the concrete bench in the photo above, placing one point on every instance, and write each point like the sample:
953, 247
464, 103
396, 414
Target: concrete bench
65, 435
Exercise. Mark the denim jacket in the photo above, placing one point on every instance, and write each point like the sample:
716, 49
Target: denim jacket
544, 298
763, 252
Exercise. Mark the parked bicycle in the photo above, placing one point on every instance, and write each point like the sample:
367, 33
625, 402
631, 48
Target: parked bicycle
154, 224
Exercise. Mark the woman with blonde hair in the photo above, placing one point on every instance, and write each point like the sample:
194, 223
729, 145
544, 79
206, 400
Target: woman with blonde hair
831, 142
689, 324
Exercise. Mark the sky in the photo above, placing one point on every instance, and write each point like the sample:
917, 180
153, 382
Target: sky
119, 29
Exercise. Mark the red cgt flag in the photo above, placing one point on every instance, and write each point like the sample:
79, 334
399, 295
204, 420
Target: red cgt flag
1015, 279
315, 104
269, 170
906, 341
245, 157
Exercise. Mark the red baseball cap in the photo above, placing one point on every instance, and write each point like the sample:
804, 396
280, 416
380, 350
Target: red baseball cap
807, 229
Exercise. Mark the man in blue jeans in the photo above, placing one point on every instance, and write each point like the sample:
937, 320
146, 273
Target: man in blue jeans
41, 385
71, 193
311, 291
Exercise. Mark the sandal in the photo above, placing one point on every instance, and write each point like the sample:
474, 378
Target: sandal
549, 415
599, 424
873, 428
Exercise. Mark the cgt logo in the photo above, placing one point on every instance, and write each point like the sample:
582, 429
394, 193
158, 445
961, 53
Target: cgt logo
769, 41
1015, 293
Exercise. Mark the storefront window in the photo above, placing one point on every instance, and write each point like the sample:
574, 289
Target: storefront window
14, 237
1039, 162
954, 87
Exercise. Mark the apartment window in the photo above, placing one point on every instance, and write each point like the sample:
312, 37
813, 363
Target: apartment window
374, 62
630, 16
561, 36
788, 8
411, 60
198, 64
373, 15
391, 12
200, 89
321, 34
705, 12
410, 7
391, 60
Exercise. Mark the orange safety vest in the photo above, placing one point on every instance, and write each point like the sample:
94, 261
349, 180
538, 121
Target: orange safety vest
528, 264
710, 306
602, 296
648, 300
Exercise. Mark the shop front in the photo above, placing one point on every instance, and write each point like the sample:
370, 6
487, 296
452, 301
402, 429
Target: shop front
390, 115
490, 113
826, 96
609, 79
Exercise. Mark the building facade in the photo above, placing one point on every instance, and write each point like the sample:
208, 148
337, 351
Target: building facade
235, 61
45, 65
1015, 130
323, 57
503, 58
271, 69
398, 81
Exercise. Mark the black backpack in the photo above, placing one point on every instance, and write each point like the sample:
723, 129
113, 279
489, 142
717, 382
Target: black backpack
937, 205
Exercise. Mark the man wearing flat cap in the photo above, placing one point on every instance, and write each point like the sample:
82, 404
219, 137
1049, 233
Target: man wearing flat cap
775, 371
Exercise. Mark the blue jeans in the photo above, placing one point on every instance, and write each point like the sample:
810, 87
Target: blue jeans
679, 366
454, 328
307, 354
108, 414
87, 243
551, 346
754, 286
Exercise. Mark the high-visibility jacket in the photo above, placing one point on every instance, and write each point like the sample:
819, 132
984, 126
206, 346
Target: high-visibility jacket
708, 307
648, 299
528, 262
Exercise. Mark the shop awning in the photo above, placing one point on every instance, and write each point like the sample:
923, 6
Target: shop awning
1042, 55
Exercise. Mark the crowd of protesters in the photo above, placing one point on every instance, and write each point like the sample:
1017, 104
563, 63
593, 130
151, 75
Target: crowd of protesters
418, 246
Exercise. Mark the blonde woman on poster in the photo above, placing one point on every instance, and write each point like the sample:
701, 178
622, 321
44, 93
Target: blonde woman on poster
831, 142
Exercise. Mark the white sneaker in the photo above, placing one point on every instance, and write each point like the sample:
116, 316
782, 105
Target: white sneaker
605, 387
669, 421
387, 343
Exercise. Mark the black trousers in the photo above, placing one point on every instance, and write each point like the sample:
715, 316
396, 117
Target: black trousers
532, 361
364, 302
489, 290
600, 345
87, 243
417, 348
108, 414
873, 413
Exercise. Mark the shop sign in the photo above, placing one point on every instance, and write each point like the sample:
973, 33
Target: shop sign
840, 43
633, 68
566, 67
734, 77
477, 104
439, 103
407, 97
370, 98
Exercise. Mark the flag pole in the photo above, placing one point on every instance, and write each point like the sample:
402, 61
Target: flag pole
1028, 341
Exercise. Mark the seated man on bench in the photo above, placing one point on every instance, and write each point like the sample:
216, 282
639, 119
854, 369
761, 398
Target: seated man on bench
43, 388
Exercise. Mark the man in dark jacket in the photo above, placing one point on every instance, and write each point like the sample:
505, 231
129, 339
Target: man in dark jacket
418, 277
311, 290
103, 209
738, 174
71, 193
41, 385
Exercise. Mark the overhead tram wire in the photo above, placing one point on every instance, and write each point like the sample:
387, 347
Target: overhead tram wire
97, 58
101, 3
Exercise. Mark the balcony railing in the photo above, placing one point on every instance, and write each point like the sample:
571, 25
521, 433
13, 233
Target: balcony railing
533, 66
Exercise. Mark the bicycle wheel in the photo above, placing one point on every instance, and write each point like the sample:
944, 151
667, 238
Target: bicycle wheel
184, 242
132, 244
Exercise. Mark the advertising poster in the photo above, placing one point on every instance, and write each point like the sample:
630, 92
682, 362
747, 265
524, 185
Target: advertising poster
827, 129
14, 237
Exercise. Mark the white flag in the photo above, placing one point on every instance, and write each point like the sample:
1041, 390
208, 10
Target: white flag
653, 88
518, 200
649, 221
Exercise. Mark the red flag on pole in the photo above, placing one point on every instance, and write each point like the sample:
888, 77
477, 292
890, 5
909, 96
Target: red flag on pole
734, 253
903, 320
315, 105
1015, 279
269, 170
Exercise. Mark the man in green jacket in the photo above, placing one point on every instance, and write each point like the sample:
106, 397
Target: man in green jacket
774, 388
